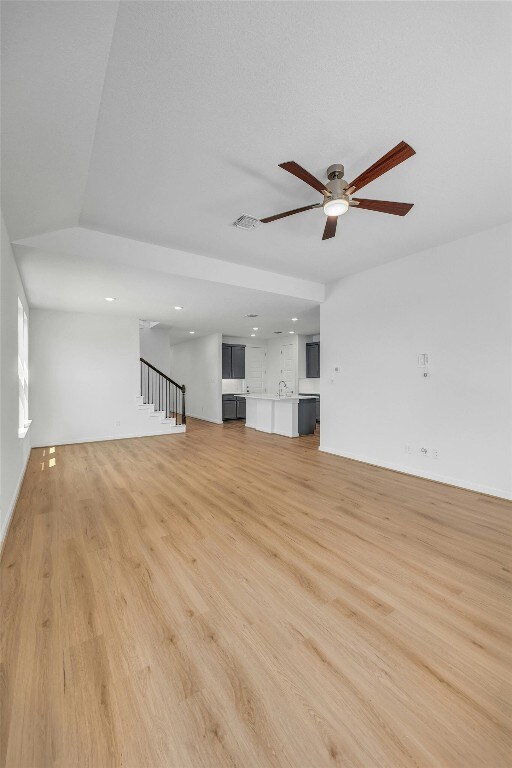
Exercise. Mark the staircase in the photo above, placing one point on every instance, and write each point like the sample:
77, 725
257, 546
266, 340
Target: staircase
162, 400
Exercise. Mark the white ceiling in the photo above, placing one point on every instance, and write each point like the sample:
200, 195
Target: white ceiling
167, 121
77, 284
54, 57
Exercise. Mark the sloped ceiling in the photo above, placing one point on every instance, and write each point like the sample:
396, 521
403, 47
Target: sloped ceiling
164, 121
54, 58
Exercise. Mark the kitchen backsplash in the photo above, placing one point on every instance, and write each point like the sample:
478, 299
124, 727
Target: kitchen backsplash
309, 386
233, 386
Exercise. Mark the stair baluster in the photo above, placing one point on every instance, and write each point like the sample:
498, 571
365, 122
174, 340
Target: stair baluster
164, 393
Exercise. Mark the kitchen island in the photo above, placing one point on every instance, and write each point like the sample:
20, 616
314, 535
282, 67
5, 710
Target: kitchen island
274, 414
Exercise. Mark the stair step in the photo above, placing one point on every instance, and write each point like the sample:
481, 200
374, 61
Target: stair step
165, 426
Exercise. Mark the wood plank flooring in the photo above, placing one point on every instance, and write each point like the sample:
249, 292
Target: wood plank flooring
228, 598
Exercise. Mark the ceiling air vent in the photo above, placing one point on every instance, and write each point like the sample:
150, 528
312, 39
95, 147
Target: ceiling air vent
277, 331
246, 222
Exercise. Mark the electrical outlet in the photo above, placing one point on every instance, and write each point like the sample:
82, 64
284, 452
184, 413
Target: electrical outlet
424, 451
118, 424
435, 453
407, 448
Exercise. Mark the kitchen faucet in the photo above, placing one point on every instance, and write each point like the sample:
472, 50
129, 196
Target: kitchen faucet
279, 385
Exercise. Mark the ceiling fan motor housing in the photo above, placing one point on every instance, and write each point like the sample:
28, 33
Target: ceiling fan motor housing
336, 184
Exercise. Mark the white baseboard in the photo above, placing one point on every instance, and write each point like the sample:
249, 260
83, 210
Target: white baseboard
203, 418
425, 474
178, 430
12, 505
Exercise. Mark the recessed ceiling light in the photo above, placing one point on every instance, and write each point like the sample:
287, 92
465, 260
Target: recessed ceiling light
291, 331
253, 334
255, 329
191, 331
178, 309
110, 298
294, 319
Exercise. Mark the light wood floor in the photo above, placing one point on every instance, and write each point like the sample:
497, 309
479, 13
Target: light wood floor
229, 598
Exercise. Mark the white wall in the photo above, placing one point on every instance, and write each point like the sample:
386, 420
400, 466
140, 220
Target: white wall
454, 303
85, 377
310, 386
14, 451
245, 340
156, 349
198, 365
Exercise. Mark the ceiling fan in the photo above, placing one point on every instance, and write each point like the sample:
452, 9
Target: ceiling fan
338, 192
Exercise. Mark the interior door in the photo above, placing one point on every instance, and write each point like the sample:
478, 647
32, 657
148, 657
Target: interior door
288, 372
255, 369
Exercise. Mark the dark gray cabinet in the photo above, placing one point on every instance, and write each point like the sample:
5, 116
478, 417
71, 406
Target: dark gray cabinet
307, 416
233, 407
237, 362
233, 361
317, 408
240, 407
313, 360
226, 361
228, 407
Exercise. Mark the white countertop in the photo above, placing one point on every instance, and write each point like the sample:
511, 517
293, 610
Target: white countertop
293, 398
284, 398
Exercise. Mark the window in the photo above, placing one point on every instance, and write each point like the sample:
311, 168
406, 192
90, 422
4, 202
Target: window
23, 420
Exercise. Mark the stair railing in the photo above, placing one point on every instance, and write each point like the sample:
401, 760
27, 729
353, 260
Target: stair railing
158, 389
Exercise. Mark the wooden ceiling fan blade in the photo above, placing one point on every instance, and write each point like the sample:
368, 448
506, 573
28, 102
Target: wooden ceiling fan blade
383, 206
289, 213
330, 227
394, 157
297, 170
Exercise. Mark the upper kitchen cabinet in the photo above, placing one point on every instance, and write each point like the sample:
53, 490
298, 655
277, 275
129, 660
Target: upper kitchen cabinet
233, 361
237, 362
313, 360
226, 361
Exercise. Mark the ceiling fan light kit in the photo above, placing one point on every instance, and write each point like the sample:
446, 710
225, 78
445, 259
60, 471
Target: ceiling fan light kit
337, 192
336, 207
337, 203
